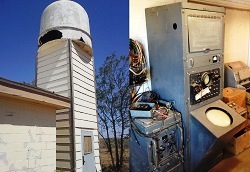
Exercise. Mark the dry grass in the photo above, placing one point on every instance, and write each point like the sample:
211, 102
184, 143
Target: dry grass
106, 160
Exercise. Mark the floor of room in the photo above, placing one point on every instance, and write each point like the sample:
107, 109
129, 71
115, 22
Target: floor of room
238, 163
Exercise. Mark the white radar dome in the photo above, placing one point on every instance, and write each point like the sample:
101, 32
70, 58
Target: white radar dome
65, 19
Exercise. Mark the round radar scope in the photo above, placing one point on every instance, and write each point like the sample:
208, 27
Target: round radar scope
219, 117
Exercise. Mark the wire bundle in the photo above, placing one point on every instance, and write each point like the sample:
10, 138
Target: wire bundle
138, 64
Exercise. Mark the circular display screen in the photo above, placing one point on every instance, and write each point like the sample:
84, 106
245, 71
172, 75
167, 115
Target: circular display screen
218, 117
206, 78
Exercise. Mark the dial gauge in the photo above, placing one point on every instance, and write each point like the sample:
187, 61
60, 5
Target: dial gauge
205, 78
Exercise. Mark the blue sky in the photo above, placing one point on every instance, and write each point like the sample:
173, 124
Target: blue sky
20, 24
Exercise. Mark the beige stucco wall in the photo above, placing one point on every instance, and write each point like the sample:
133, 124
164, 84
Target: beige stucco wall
236, 42
27, 136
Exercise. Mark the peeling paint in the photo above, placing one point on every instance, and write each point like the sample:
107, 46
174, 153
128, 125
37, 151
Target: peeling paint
25, 144
29, 152
32, 140
39, 156
40, 139
31, 170
23, 140
2, 141
12, 167
40, 132
3, 158
25, 168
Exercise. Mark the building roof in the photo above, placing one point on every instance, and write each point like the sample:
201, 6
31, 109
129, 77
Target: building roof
33, 94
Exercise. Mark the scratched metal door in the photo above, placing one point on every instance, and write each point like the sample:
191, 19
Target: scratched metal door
88, 158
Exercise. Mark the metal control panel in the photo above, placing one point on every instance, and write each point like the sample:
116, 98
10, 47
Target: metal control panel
204, 85
161, 149
186, 64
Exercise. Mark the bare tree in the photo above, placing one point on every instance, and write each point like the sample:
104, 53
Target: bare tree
112, 81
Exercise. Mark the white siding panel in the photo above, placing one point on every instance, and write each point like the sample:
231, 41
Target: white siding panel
78, 169
63, 155
85, 103
78, 155
96, 139
53, 66
78, 91
63, 140
80, 63
98, 167
64, 93
52, 48
83, 82
62, 123
57, 84
53, 71
53, 78
64, 148
85, 98
63, 164
97, 160
82, 54
62, 116
63, 132
85, 124
78, 147
78, 139
83, 79
63, 110
97, 152
82, 116
95, 132
78, 132
89, 74
79, 164
60, 88
56, 52
96, 145
84, 109
50, 59
78, 49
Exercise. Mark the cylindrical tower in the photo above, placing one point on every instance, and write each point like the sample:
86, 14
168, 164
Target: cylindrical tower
65, 66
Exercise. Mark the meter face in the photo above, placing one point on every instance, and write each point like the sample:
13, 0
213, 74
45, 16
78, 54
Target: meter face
206, 78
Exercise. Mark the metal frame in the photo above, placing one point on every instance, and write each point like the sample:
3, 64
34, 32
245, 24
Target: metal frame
170, 58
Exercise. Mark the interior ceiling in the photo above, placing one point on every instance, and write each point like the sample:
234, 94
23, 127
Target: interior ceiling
238, 4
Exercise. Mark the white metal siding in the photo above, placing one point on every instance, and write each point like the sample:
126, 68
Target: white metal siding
84, 102
63, 140
27, 136
53, 72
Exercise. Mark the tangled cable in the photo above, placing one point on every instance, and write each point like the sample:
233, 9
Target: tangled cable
138, 64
